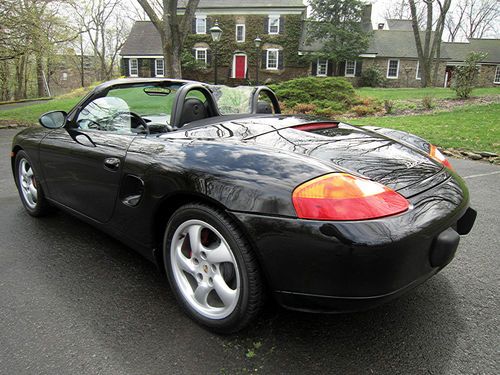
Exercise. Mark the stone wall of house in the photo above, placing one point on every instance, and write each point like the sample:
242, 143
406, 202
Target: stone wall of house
407, 72
265, 76
487, 76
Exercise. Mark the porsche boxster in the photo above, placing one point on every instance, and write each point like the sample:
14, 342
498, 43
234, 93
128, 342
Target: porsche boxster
236, 201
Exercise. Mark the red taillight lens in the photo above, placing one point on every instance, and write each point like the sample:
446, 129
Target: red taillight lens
437, 155
341, 196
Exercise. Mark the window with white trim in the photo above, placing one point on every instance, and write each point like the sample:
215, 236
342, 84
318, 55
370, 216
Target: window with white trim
392, 68
240, 33
159, 68
201, 55
350, 68
418, 73
497, 75
274, 24
133, 68
201, 24
272, 56
322, 68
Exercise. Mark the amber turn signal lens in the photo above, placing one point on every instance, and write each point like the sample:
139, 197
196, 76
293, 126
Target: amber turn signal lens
438, 156
341, 196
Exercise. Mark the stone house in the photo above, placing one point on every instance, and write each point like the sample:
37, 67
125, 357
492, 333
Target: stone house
284, 52
277, 23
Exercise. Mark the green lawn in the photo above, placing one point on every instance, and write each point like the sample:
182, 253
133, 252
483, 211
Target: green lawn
139, 103
419, 93
30, 114
474, 127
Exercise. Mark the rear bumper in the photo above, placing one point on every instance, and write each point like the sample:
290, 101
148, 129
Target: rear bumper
348, 266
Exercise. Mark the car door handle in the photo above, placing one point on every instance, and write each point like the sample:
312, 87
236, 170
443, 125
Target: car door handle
112, 163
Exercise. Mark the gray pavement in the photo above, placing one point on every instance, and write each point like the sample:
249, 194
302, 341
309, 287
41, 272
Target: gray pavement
21, 104
75, 301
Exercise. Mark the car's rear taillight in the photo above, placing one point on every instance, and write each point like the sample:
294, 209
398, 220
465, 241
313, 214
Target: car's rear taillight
341, 196
438, 156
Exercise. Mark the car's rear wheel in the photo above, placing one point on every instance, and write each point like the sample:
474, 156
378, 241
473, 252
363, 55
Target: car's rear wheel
211, 268
30, 191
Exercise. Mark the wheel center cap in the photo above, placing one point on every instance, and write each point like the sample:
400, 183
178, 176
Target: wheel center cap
205, 268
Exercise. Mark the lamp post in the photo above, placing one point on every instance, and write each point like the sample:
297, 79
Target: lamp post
216, 33
257, 42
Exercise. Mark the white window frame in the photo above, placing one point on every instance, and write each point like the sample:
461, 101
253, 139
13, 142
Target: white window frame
199, 50
388, 67
203, 30
354, 68
318, 64
268, 51
273, 17
162, 68
136, 74
496, 79
242, 25
418, 76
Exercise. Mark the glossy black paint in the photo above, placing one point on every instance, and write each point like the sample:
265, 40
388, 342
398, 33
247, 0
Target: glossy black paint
248, 165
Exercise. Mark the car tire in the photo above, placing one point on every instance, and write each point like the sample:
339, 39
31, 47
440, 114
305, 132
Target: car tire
30, 191
212, 269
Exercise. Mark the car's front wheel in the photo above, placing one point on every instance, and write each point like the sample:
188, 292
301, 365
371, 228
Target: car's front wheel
211, 268
30, 191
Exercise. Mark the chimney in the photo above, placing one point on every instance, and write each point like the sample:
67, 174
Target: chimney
380, 26
367, 14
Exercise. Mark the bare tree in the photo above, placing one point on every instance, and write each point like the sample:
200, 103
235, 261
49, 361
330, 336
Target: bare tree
401, 11
106, 30
430, 50
473, 19
172, 28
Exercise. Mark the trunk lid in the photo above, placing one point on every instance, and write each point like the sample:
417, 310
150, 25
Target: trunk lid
399, 166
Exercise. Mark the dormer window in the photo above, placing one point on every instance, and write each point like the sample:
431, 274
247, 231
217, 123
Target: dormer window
274, 24
201, 24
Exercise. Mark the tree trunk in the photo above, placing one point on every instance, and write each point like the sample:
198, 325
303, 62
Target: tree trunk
39, 76
18, 92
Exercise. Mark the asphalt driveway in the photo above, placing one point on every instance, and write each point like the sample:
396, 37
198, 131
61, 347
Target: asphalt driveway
75, 301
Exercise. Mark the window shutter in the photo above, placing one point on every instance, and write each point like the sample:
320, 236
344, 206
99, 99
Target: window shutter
124, 67
193, 25
152, 68
263, 60
208, 25
266, 25
341, 71
331, 68
314, 68
280, 59
209, 57
359, 65
282, 24
193, 52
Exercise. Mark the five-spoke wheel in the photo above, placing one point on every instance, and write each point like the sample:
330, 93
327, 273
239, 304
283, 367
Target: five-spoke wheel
30, 190
211, 268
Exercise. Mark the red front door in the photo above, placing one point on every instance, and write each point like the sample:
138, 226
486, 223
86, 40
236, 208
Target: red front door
240, 66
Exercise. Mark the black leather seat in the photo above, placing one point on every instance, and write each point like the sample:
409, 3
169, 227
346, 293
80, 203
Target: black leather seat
264, 107
193, 110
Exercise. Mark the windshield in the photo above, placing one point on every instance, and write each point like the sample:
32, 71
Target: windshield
233, 100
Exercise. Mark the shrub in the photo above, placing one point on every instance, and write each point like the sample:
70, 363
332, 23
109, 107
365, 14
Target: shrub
364, 110
313, 89
305, 108
428, 102
388, 106
372, 77
464, 79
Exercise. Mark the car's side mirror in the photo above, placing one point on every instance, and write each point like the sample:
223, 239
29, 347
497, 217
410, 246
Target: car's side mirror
53, 120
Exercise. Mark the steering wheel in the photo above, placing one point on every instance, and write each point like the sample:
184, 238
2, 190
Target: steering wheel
89, 124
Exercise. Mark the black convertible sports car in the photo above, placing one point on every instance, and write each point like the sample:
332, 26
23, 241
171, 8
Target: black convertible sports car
233, 199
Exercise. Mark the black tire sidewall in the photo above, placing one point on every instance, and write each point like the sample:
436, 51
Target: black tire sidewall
39, 207
212, 217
